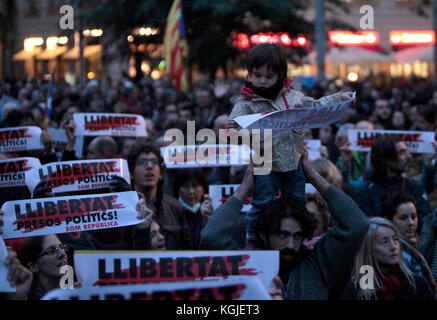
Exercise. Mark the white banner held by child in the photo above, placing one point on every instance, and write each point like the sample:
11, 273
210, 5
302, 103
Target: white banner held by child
241, 289
298, 118
20, 139
37, 217
79, 175
13, 171
102, 268
110, 124
416, 141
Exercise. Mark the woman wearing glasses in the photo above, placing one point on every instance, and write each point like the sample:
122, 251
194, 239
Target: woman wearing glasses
43, 256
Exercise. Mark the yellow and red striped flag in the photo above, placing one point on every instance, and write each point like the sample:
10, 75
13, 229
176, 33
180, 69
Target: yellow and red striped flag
174, 43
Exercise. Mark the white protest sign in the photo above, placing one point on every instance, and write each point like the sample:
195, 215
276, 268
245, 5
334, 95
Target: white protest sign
4, 283
101, 268
37, 217
20, 139
220, 193
61, 140
241, 289
416, 141
206, 156
78, 175
299, 118
110, 124
13, 171
313, 147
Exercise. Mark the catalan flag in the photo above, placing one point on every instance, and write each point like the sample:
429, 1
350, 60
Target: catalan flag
174, 43
48, 108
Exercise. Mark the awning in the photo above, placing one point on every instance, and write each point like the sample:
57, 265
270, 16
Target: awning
423, 53
51, 54
73, 54
351, 55
25, 55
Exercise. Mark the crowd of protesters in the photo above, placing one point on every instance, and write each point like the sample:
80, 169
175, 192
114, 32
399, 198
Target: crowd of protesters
371, 208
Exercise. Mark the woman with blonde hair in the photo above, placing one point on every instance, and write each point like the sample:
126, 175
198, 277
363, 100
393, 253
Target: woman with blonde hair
380, 272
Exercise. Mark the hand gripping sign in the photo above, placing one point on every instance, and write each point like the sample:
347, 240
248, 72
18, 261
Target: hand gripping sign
13, 171
110, 124
20, 139
298, 118
102, 268
416, 141
37, 217
4, 283
78, 175
238, 289
61, 141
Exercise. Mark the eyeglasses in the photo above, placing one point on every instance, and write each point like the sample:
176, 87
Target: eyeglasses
52, 250
145, 162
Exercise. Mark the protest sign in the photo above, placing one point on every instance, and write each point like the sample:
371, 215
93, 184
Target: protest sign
248, 288
298, 118
61, 140
313, 147
222, 192
13, 171
78, 175
20, 139
101, 268
194, 156
37, 217
416, 141
4, 283
110, 124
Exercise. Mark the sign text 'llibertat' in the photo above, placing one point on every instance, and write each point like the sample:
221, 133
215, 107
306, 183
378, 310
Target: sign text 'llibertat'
66, 170
99, 122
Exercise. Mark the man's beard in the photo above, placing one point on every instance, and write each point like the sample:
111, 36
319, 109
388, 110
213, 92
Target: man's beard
287, 260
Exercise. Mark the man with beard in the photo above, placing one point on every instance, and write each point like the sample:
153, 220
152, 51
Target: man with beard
309, 274
390, 159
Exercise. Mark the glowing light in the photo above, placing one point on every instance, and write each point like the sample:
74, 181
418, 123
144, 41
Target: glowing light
30, 43
349, 38
162, 65
352, 76
244, 41
91, 75
409, 37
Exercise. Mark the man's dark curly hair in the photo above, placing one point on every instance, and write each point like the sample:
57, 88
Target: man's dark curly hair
270, 218
145, 147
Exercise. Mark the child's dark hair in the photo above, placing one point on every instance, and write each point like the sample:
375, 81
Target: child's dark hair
270, 54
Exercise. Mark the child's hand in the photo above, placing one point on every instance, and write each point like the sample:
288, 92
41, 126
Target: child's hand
347, 95
231, 124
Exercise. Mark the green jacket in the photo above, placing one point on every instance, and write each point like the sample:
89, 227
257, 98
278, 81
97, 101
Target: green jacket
319, 271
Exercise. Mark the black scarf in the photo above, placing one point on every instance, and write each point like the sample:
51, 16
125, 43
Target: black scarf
270, 93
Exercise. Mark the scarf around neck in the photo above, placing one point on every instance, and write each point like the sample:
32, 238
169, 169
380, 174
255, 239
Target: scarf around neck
193, 208
270, 93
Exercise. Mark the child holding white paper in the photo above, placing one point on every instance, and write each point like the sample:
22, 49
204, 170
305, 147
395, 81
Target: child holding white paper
266, 90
